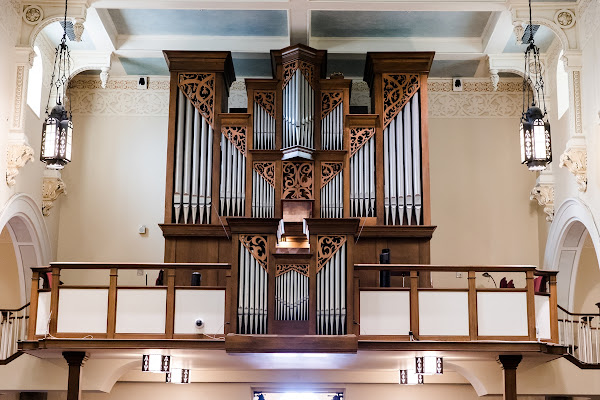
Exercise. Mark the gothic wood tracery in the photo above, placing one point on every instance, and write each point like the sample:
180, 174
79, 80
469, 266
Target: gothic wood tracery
289, 68
327, 246
284, 268
237, 136
329, 101
397, 91
329, 170
297, 180
266, 170
266, 100
199, 89
257, 246
358, 138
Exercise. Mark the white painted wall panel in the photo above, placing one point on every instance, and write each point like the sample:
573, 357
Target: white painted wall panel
82, 310
141, 311
443, 313
542, 317
384, 312
43, 313
208, 305
502, 314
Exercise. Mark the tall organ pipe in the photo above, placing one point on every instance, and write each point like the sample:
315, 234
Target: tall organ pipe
332, 198
362, 181
332, 129
298, 112
264, 129
233, 176
252, 294
331, 295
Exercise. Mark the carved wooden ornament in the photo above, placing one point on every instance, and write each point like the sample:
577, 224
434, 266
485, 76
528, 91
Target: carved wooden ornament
308, 70
329, 170
284, 268
266, 100
199, 89
397, 91
266, 170
329, 101
297, 180
327, 246
358, 138
257, 246
237, 136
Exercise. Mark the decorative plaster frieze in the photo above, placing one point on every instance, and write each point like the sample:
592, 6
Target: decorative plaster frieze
52, 187
17, 155
544, 194
237, 95
104, 77
576, 88
575, 160
494, 78
18, 102
560, 20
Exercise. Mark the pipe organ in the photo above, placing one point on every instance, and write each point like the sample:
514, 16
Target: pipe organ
297, 190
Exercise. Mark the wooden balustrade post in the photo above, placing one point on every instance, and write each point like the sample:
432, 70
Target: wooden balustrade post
473, 324
54, 300
75, 360
228, 304
530, 306
553, 309
356, 316
170, 312
112, 304
35, 285
509, 366
414, 303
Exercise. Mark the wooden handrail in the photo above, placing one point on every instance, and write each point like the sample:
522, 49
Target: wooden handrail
579, 314
15, 310
105, 265
448, 268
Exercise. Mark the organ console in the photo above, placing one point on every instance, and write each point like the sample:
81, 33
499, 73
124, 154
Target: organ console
298, 190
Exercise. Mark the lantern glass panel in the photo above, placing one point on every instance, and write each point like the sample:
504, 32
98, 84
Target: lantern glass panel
69, 141
410, 377
522, 139
539, 140
49, 138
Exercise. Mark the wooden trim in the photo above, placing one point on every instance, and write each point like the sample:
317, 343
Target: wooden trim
81, 287
398, 231
235, 282
473, 320
196, 336
349, 283
77, 335
450, 338
443, 268
356, 315
141, 336
553, 310
507, 338
54, 300
502, 290
228, 303
530, 305
291, 344
385, 289
170, 306
200, 287
103, 265
425, 175
112, 304
193, 230
414, 303
35, 284
444, 290
173, 91
163, 287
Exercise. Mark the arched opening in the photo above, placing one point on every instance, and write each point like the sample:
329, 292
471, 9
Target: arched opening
586, 291
10, 288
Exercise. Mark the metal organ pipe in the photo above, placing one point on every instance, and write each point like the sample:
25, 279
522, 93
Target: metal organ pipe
332, 129
332, 198
331, 295
263, 197
252, 294
264, 129
298, 112
193, 165
362, 178
233, 176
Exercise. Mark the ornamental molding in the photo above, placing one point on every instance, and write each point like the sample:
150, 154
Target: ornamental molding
544, 195
35, 17
52, 187
475, 105
564, 18
560, 20
18, 154
575, 160
257, 246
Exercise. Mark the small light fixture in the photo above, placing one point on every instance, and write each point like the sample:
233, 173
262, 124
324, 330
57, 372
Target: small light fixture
429, 365
410, 377
178, 375
156, 363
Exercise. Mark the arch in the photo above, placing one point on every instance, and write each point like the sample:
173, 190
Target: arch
572, 222
564, 40
23, 219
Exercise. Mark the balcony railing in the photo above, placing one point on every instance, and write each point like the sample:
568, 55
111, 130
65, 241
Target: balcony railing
13, 328
580, 334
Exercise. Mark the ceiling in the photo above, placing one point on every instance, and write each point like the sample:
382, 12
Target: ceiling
462, 33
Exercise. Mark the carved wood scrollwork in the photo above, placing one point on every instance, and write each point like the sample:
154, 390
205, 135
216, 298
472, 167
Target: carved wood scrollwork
327, 246
358, 138
200, 90
329, 170
257, 246
266, 100
308, 70
237, 136
266, 170
329, 101
397, 91
283, 268
297, 180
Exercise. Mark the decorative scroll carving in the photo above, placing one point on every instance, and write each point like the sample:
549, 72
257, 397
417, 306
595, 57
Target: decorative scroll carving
283, 268
18, 154
329, 101
237, 136
257, 246
266, 100
266, 170
200, 90
397, 91
298, 180
52, 187
575, 160
329, 170
544, 194
358, 138
327, 246
289, 68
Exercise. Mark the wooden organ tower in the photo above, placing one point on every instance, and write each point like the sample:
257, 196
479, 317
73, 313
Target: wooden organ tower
298, 190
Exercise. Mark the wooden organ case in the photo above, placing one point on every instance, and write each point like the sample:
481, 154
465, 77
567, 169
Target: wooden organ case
296, 191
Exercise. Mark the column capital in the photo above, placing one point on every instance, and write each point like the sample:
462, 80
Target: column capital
510, 361
75, 358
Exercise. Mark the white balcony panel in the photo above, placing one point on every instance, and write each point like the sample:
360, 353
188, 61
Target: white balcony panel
443, 313
384, 312
502, 314
141, 311
542, 317
82, 310
207, 305
43, 313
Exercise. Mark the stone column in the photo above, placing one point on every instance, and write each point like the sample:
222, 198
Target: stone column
509, 365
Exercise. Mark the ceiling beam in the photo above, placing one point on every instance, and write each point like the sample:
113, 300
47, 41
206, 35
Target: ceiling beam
362, 44
497, 33
147, 44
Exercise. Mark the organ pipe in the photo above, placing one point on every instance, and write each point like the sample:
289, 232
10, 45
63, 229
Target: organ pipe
264, 129
362, 180
332, 129
331, 295
298, 112
332, 198
252, 294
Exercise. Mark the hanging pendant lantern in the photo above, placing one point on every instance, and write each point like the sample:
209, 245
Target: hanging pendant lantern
536, 149
57, 131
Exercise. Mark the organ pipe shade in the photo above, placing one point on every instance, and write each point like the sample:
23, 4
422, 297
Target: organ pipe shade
57, 138
156, 363
536, 149
178, 375
410, 377
429, 365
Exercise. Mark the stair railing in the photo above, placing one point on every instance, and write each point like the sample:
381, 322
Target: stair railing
13, 328
580, 334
